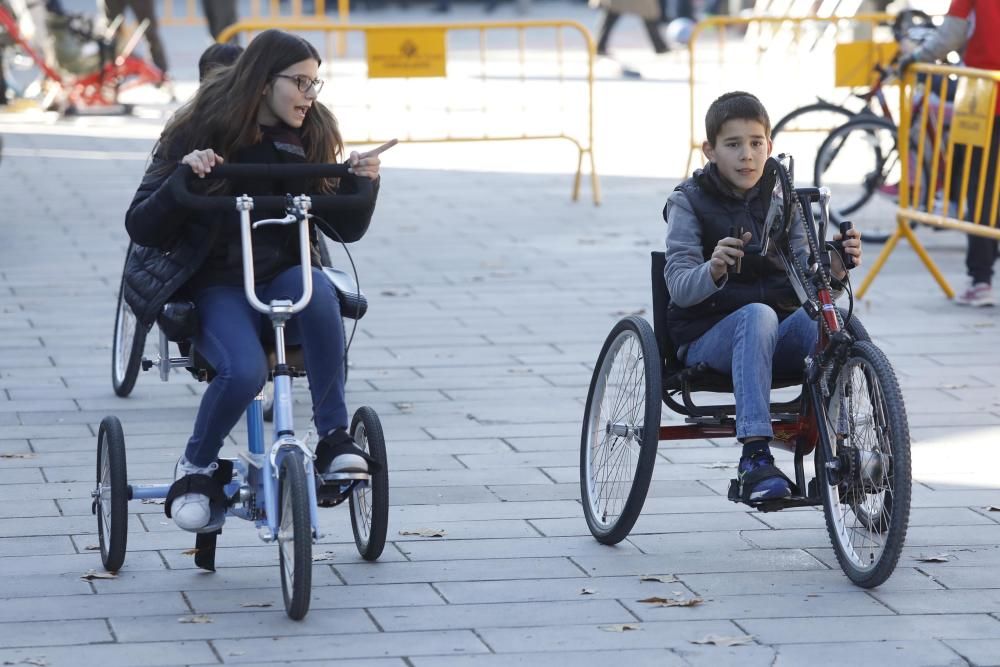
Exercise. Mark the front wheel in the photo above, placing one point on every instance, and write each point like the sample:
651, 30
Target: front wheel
621, 430
294, 537
126, 346
866, 487
370, 502
111, 495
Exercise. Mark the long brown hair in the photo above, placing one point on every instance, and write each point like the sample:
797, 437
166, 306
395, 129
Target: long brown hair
223, 113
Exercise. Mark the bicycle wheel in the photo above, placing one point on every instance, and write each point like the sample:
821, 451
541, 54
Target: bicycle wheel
126, 347
866, 501
621, 428
865, 146
370, 502
294, 537
818, 118
111, 494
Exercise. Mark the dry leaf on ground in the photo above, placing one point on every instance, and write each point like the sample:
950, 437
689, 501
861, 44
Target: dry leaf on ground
154, 501
94, 574
197, 618
37, 662
621, 627
661, 578
938, 558
993, 508
587, 591
326, 555
672, 602
722, 640
257, 604
718, 464
92, 547
5, 455
190, 552
424, 532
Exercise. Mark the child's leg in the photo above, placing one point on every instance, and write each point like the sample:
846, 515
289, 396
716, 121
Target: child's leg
796, 340
742, 345
318, 328
229, 339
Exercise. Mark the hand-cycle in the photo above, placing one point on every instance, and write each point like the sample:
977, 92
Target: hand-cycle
850, 413
274, 487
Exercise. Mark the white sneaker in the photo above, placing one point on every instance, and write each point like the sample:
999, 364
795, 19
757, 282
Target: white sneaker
191, 511
979, 295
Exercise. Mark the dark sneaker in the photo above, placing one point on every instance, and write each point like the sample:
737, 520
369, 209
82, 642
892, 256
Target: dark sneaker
760, 480
337, 453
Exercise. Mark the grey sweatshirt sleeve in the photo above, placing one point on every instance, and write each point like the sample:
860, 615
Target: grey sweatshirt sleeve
687, 273
950, 36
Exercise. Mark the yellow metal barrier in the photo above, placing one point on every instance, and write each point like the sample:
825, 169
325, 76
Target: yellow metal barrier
259, 9
785, 60
970, 126
487, 92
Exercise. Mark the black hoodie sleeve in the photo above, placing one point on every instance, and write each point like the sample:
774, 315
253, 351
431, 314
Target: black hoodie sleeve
349, 227
153, 216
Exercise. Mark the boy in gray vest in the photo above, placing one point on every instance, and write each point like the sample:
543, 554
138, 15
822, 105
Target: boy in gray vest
748, 324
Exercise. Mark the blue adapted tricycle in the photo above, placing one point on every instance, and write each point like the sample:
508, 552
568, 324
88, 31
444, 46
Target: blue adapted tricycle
274, 487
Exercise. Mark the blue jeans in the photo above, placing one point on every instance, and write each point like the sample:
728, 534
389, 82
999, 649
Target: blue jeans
230, 340
752, 346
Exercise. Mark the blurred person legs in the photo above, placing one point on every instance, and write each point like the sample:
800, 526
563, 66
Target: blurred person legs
220, 14
143, 10
609, 21
982, 253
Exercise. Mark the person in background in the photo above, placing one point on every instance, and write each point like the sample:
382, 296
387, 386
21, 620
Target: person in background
220, 14
143, 10
217, 55
973, 25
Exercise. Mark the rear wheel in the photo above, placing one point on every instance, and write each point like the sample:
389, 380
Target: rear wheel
621, 428
111, 494
126, 347
866, 488
370, 502
294, 537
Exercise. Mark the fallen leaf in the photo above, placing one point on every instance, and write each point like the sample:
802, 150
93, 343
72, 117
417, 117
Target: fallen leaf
424, 532
721, 640
154, 501
626, 313
94, 574
672, 602
197, 618
257, 604
717, 464
954, 386
621, 627
5, 455
37, 662
190, 552
939, 558
587, 591
661, 578
92, 547
993, 508
326, 555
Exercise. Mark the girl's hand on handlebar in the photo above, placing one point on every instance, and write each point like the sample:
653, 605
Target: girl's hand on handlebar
852, 247
367, 164
202, 161
725, 255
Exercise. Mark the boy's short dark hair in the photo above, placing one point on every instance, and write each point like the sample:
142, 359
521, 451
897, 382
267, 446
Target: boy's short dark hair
738, 105
217, 55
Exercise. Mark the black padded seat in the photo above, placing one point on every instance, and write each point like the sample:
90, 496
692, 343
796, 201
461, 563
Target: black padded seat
677, 378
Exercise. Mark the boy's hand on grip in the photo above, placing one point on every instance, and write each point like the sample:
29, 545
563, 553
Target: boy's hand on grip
726, 254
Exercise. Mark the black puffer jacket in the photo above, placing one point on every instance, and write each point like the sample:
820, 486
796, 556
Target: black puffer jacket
170, 244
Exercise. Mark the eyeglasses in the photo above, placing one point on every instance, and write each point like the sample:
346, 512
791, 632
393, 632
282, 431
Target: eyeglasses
303, 82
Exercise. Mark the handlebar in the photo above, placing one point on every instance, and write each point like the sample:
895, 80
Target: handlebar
181, 179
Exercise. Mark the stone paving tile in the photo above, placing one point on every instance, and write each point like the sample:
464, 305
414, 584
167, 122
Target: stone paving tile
863, 629
872, 654
91, 606
803, 582
459, 570
698, 562
739, 607
650, 634
658, 523
636, 658
348, 647
52, 633
513, 547
152, 654
536, 590
495, 615
978, 652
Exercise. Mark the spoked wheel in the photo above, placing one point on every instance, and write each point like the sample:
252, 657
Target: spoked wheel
370, 502
111, 494
294, 537
621, 428
866, 499
127, 346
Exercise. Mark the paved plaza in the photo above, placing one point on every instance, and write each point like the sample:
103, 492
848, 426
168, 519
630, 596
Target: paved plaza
490, 296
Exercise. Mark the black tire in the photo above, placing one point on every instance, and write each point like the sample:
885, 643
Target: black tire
813, 117
867, 501
868, 146
111, 494
294, 537
621, 425
370, 503
126, 346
